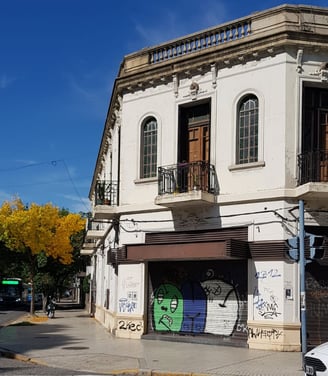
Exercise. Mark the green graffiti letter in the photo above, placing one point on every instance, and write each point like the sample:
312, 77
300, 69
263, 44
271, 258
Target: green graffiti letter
168, 308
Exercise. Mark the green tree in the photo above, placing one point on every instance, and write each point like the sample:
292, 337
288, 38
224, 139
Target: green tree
53, 277
12, 264
38, 232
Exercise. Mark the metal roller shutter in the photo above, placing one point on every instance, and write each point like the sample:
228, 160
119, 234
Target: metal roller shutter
316, 303
204, 301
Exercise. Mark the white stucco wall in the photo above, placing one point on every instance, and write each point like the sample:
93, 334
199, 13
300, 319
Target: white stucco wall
130, 289
274, 291
112, 289
266, 78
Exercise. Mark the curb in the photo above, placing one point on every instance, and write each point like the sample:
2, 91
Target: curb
128, 372
171, 373
23, 358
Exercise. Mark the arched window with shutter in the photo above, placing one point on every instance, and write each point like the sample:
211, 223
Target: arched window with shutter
149, 148
247, 130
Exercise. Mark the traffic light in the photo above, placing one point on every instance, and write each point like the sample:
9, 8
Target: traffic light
293, 251
317, 250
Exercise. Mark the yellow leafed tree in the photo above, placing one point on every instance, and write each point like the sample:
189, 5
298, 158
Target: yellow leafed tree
36, 229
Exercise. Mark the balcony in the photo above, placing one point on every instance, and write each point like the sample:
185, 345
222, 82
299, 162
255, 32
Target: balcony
95, 229
313, 176
313, 167
88, 247
186, 184
106, 199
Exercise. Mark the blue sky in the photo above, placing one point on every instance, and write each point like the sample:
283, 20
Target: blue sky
58, 62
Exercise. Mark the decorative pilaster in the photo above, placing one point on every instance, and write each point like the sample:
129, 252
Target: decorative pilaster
299, 60
213, 70
175, 85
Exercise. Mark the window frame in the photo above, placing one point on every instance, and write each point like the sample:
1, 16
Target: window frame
148, 169
251, 129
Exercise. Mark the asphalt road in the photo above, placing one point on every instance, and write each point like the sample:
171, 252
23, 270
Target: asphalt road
9, 315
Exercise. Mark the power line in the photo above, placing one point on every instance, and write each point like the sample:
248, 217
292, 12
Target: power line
170, 220
275, 212
157, 231
73, 185
27, 166
53, 163
54, 181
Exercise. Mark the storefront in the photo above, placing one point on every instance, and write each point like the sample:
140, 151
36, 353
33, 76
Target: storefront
197, 284
203, 299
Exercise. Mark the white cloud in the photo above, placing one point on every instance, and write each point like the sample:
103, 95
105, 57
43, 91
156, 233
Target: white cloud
86, 94
79, 204
4, 196
6, 81
92, 91
177, 23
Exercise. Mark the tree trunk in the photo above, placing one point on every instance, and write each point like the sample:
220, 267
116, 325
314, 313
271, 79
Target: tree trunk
32, 306
32, 259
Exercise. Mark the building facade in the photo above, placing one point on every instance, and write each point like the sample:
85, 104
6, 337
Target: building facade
210, 142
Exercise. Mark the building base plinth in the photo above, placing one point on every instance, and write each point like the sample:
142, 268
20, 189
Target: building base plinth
274, 336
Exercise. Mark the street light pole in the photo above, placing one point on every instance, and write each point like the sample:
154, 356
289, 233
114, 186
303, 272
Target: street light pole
302, 278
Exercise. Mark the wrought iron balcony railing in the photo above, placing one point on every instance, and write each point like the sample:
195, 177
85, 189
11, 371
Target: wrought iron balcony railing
186, 177
93, 225
106, 192
313, 167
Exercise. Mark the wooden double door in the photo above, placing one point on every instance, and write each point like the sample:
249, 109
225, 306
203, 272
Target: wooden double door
194, 144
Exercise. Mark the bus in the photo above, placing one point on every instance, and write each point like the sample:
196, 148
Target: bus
11, 291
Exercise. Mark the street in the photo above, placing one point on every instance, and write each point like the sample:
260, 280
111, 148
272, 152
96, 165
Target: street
10, 315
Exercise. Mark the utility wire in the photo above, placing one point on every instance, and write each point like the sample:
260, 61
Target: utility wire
275, 212
28, 165
38, 183
73, 185
53, 163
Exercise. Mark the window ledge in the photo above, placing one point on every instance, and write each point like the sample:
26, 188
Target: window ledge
247, 166
146, 180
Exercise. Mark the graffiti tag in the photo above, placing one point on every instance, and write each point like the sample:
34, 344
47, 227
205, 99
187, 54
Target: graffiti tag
267, 306
271, 273
126, 305
129, 325
260, 333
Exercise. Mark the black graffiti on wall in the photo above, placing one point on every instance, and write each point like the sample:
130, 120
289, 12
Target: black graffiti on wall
129, 325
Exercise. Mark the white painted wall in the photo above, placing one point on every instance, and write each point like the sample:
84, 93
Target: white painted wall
265, 78
274, 291
112, 289
130, 289
100, 280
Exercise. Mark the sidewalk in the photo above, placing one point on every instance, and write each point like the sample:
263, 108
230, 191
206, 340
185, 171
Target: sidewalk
75, 341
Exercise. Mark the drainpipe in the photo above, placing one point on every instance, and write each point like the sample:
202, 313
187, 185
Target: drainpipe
302, 279
119, 167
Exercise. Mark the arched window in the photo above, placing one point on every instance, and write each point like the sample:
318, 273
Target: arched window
149, 148
247, 130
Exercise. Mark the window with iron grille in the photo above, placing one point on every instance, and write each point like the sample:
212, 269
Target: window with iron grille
247, 130
149, 148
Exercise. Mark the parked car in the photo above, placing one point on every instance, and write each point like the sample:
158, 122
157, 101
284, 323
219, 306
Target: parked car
316, 361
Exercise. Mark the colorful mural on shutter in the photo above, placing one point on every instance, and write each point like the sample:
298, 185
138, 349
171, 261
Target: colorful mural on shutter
205, 297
